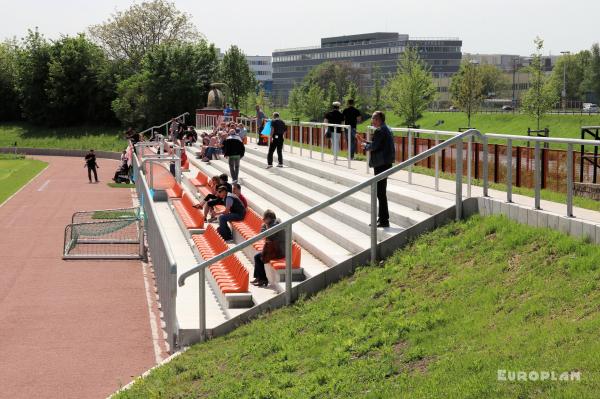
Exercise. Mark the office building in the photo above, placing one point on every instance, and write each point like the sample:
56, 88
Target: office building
261, 66
364, 51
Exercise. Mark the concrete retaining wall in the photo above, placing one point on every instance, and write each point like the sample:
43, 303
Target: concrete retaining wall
57, 152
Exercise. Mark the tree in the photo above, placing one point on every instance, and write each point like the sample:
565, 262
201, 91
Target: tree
314, 105
466, 88
354, 94
130, 34
236, 73
542, 94
494, 81
79, 85
174, 78
33, 61
411, 90
592, 75
575, 67
339, 73
377, 97
296, 101
332, 94
9, 94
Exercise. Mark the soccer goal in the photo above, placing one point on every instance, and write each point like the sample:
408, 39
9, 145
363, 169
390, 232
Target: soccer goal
105, 234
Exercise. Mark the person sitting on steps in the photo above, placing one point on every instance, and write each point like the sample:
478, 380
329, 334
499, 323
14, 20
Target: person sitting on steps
274, 248
234, 212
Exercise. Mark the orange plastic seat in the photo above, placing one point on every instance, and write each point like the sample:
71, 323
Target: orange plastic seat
191, 217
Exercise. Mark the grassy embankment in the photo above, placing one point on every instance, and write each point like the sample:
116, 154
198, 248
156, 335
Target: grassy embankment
438, 319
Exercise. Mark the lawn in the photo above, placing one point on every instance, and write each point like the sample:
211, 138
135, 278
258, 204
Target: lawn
77, 138
437, 320
15, 172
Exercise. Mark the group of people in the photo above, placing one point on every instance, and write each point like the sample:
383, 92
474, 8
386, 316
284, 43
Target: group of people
233, 207
227, 138
349, 116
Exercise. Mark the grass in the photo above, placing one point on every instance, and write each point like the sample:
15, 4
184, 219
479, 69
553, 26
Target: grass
437, 320
113, 214
75, 138
15, 172
545, 194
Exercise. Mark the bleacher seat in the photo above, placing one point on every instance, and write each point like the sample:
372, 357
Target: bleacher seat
191, 217
229, 273
175, 191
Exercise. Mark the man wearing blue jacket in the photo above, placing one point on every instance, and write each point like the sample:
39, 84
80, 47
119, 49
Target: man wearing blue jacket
382, 157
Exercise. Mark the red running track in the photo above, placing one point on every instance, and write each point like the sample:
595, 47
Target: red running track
68, 329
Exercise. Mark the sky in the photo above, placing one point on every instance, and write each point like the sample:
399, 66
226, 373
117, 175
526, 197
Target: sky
259, 27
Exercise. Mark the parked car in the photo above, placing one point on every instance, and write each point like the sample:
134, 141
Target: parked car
590, 108
453, 108
507, 108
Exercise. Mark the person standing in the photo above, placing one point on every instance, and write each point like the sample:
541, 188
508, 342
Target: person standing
334, 117
227, 113
382, 157
278, 129
173, 130
352, 117
260, 119
90, 163
233, 150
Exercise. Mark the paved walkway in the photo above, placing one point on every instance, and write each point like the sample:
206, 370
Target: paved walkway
68, 329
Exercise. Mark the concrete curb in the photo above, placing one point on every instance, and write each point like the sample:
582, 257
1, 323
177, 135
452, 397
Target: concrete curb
57, 152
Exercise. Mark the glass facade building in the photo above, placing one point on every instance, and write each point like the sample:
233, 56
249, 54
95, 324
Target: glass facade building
365, 52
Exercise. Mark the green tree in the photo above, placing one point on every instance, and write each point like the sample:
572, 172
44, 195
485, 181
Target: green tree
34, 58
174, 78
377, 93
411, 90
296, 102
340, 73
9, 94
236, 73
314, 105
79, 86
466, 88
332, 94
591, 82
494, 80
130, 34
542, 94
575, 66
354, 93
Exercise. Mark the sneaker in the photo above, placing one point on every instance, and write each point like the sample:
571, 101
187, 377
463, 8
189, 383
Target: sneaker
212, 220
280, 166
269, 166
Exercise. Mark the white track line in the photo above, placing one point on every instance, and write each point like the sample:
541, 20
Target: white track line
43, 186
26, 184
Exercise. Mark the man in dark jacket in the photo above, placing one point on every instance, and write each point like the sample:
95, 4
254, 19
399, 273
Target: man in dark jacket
90, 163
382, 157
274, 248
234, 150
278, 129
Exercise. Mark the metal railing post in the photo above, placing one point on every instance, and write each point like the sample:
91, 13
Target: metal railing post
300, 132
509, 171
538, 176
459, 170
349, 147
310, 140
335, 145
485, 166
322, 144
373, 223
570, 180
178, 164
410, 156
288, 264
368, 152
202, 303
291, 138
437, 165
469, 158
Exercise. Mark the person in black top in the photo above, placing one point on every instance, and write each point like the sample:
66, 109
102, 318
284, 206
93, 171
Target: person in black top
234, 211
382, 157
90, 163
278, 129
334, 117
352, 117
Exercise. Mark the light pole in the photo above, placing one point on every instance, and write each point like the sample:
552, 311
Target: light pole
564, 90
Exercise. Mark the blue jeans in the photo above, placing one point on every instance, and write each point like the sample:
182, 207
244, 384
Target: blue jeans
224, 229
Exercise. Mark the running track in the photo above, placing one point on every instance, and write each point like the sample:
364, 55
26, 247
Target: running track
68, 329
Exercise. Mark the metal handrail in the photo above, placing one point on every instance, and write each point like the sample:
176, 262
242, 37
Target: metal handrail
166, 123
287, 225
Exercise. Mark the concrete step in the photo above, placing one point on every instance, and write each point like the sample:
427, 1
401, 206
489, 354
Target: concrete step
337, 230
317, 244
398, 192
399, 214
